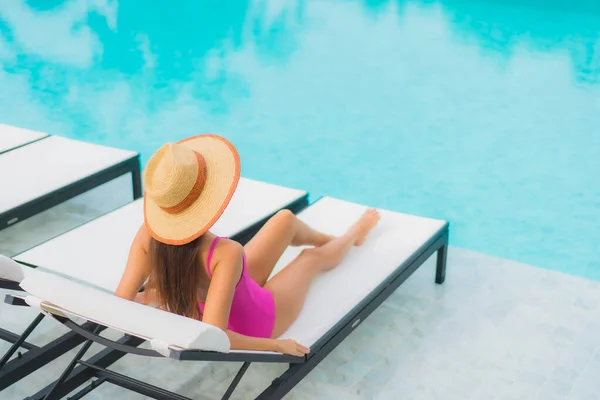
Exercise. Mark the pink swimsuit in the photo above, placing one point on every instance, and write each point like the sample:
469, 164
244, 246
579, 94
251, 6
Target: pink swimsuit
252, 309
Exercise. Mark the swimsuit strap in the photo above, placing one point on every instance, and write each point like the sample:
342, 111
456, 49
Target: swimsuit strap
211, 251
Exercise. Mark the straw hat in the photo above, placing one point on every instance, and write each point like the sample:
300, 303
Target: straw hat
188, 185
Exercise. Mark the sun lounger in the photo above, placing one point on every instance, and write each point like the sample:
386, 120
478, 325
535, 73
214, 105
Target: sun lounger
46, 172
12, 137
338, 301
96, 254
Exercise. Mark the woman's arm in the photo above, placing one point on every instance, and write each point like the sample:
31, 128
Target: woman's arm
242, 342
137, 269
288, 346
226, 274
226, 271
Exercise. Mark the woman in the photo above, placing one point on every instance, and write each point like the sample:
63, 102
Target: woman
192, 272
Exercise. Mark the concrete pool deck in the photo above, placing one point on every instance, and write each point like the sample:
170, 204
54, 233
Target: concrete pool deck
496, 329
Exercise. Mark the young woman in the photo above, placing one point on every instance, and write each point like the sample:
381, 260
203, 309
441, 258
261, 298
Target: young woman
192, 272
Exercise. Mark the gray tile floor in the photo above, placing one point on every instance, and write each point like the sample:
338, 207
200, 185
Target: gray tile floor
496, 329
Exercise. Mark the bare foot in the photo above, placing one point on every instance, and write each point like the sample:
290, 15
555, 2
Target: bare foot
364, 225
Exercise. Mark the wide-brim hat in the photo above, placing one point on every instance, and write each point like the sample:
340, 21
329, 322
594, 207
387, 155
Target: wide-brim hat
187, 187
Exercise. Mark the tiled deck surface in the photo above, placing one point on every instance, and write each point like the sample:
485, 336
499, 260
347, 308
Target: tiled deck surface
496, 329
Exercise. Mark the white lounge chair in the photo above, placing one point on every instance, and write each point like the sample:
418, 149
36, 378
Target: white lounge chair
12, 137
61, 169
338, 301
77, 255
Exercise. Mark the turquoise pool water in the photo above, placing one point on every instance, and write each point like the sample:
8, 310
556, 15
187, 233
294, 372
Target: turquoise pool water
485, 113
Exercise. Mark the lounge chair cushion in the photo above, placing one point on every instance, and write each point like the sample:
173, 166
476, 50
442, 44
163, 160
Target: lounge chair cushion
12, 137
334, 294
51, 164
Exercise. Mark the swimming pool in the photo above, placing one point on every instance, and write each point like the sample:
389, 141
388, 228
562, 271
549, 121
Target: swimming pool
485, 113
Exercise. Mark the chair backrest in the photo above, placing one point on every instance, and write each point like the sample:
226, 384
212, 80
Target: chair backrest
162, 328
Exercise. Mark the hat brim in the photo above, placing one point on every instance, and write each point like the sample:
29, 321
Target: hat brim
222, 177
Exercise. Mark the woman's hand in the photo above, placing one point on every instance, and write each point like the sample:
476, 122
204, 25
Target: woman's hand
292, 347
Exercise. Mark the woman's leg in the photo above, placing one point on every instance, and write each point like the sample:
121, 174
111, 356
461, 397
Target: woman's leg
280, 231
290, 286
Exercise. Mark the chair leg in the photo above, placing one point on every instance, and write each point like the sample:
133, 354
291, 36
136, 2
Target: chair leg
440, 270
136, 180
235, 381
21, 339
70, 367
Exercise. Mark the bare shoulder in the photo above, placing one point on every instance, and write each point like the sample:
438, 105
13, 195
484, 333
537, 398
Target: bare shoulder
228, 253
142, 238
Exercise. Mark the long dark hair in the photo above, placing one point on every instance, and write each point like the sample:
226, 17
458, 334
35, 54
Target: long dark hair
178, 277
